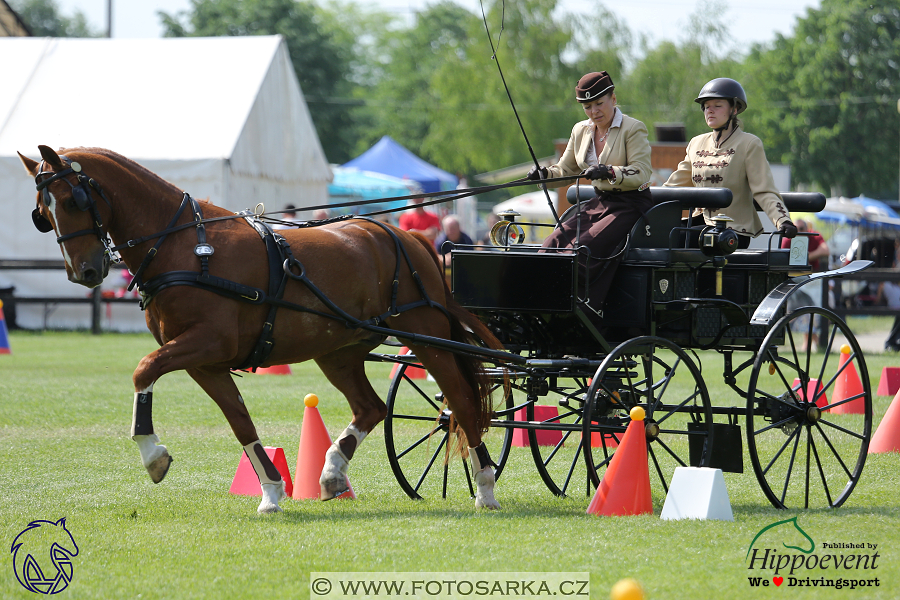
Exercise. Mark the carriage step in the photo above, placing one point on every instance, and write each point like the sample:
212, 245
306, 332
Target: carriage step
727, 449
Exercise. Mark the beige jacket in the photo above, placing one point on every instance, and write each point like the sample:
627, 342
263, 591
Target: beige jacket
739, 164
627, 150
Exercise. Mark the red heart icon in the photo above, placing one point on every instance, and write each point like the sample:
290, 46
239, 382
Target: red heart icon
778, 580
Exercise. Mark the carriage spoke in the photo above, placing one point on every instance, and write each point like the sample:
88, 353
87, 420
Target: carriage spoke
782, 449
575, 459
784, 421
821, 472
844, 401
431, 462
787, 477
676, 408
427, 398
828, 347
833, 451
422, 439
841, 429
468, 478
658, 469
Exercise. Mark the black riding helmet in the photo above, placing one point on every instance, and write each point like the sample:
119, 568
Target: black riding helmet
724, 88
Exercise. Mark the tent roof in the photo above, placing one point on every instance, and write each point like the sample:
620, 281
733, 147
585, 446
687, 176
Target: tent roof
351, 183
531, 205
390, 158
171, 98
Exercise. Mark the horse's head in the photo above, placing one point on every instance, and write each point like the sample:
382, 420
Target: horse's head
66, 205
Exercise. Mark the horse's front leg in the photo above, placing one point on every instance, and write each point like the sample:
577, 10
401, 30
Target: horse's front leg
221, 388
154, 456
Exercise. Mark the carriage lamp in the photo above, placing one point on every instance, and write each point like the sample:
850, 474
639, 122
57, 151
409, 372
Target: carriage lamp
718, 240
506, 231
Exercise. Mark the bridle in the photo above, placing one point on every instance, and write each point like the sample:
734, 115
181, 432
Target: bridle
81, 196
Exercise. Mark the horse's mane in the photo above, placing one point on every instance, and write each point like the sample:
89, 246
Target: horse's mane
139, 170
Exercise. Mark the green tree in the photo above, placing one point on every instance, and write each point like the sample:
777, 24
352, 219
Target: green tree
438, 90
311, 34
828, 97
45, 19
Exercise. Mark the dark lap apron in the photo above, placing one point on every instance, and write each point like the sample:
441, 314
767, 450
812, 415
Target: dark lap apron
605, 222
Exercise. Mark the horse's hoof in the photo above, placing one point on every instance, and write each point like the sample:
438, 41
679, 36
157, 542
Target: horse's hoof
272, 494
159, 466
484, 489
333, 488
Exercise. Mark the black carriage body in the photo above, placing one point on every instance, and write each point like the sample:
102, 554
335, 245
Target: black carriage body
535, 298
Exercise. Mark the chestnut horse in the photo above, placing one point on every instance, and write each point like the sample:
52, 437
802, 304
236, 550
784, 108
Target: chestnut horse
349, 274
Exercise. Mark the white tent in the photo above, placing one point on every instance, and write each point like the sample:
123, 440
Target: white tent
222, 118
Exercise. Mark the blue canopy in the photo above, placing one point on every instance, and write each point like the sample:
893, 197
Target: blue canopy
390, 158
352, 184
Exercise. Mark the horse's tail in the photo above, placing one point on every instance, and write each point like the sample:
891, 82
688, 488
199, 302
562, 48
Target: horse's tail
467, 328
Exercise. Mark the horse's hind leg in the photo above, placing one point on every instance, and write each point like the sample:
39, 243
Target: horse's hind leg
345, 369
221, 388
465, 404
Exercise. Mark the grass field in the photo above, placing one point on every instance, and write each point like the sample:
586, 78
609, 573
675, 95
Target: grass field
65, 411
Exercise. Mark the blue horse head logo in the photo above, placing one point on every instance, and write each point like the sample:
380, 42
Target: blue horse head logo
42, 556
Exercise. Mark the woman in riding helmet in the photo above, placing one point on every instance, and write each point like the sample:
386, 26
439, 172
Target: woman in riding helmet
731, 158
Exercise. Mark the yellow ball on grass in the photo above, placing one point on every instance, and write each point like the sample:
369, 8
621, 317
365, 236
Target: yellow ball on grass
627, 589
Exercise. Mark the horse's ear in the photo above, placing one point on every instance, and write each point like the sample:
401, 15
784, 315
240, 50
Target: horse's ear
30, 165
52, 158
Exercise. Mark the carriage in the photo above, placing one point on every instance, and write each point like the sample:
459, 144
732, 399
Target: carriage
222, 292
673, 314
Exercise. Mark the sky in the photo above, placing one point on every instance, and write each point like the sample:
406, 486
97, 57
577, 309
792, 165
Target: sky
750, 20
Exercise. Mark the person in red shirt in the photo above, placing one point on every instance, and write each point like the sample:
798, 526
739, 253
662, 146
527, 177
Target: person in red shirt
421, 221
818, 247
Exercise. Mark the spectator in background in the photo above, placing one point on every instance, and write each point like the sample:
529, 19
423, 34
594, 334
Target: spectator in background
818, 247
452, 233
321, 214
288, 216
889, 295
421, 221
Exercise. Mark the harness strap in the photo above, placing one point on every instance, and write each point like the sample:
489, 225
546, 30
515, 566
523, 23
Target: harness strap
151, 254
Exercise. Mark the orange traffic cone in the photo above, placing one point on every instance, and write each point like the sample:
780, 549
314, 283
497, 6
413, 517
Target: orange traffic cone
275, 370
4, 334
625, 489
411, 372
887, 436
314, 443
846, 386
246, 483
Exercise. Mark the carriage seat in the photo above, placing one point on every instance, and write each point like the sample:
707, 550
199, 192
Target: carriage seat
688, 197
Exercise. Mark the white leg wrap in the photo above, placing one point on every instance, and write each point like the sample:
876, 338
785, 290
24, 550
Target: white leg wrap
269, 479
333, 480
484, 482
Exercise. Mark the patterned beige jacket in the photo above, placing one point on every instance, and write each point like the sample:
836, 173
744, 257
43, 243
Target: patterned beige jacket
627, 150
739, 164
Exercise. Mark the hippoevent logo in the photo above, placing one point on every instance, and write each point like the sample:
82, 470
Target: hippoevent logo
783, 554
42, 556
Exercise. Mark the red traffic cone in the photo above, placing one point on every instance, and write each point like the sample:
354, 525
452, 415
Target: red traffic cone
411, 372
848, 385
246, 483
813, 389
890, 381
314, 443
887, 436
625, 489
275, 370
4, 334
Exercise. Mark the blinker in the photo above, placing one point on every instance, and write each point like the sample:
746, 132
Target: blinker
41, 222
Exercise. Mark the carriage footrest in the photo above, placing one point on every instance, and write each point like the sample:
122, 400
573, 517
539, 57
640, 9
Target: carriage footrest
727, 451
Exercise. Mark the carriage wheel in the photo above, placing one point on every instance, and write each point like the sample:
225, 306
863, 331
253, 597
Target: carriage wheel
557, 447
808, 447
420, 443
660, 377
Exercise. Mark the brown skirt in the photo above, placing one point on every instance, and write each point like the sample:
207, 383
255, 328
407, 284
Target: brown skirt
605, 222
